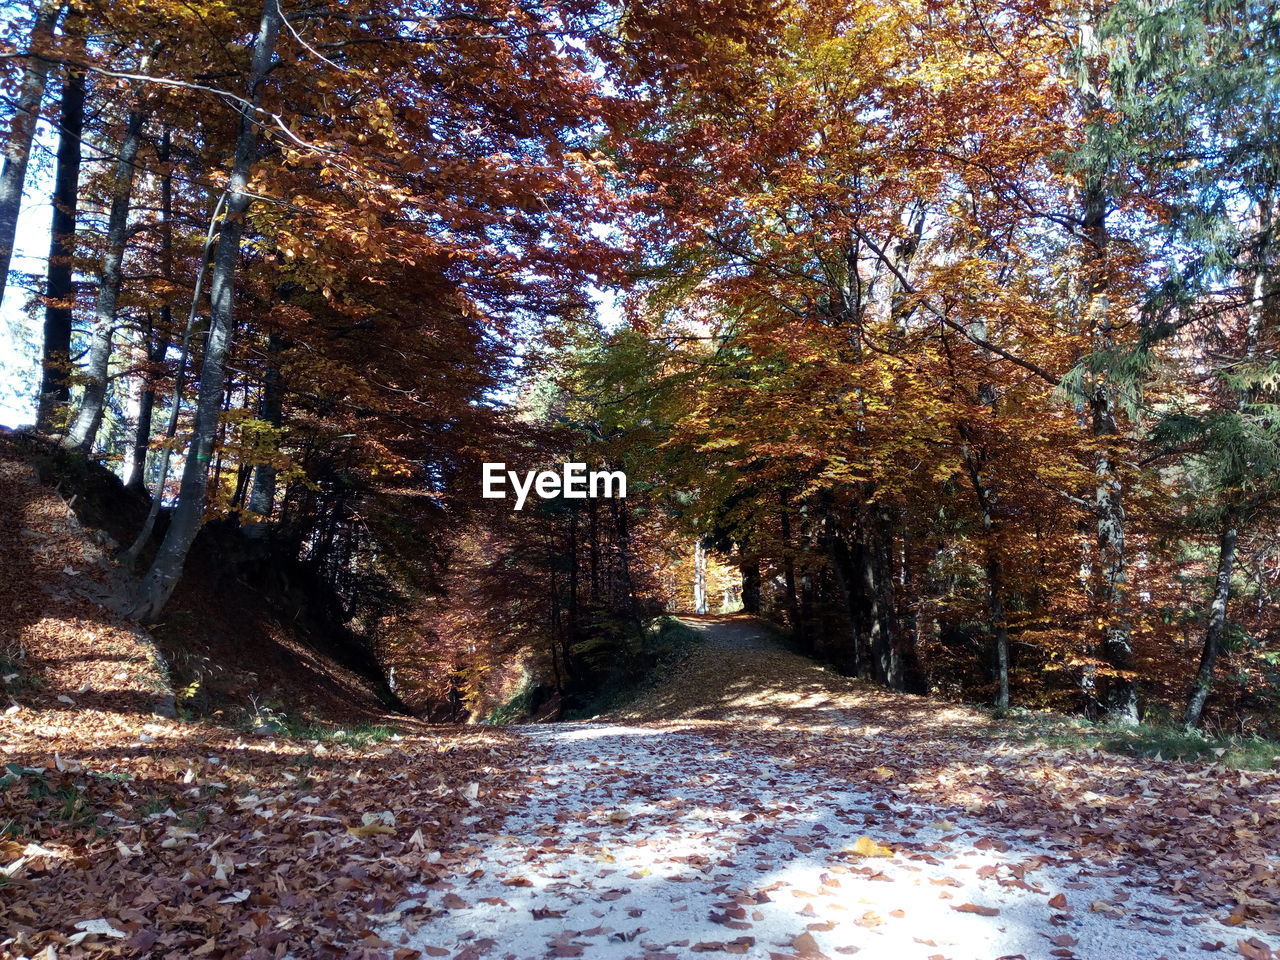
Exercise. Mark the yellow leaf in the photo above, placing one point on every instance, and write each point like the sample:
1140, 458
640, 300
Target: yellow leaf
370, 830
866, 847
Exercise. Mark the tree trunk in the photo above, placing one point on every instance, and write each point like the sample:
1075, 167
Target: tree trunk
1117, 641
130, 556
1113, 576
17, 145
156, 346
60, 293
156, 350
1109, 512
789, 577
593, 539
848, 582
84, 429
158, 583
910, 633
886, 609
575, 615
557, 646
622, 530
879, 635
994, 569
1000, 630
699, 578
262, 498
1217, 623
142, 435
749, 567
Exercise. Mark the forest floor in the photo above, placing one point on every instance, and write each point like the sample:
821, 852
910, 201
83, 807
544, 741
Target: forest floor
750, 804
758, 805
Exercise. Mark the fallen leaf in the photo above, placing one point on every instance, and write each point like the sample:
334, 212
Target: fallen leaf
806, 946
866, 847
975, 908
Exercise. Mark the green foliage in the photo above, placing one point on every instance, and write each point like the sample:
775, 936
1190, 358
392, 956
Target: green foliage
16, 674
69, 803
267, 717
1162, 741
1234, 448
517, 707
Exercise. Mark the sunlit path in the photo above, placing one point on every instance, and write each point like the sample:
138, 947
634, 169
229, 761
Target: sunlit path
638, 841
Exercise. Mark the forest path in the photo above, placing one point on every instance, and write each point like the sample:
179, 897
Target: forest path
791, 827
741, 669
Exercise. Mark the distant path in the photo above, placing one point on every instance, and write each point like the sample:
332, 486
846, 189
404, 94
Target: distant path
732, 632
665, 840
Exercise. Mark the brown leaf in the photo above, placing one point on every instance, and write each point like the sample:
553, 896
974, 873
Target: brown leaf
974, 908
1254, 949
806, 946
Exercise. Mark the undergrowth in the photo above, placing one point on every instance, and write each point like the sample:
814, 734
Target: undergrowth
269, 719
1148, 741
16, 674
516, 707
665, 642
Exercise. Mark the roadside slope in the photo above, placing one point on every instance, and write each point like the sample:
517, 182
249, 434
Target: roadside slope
127, 831
237, 645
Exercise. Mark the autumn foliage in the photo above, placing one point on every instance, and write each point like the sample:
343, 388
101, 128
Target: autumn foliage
949, 325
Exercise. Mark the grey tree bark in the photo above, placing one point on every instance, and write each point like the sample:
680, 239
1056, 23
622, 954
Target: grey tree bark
130, 556
699, 577
158, 583
750, 572
262, 496
147, 404
1113, 574
1261, 323
17, 145
846, 573
885, 665
796, 622
84, 428
1203, 682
